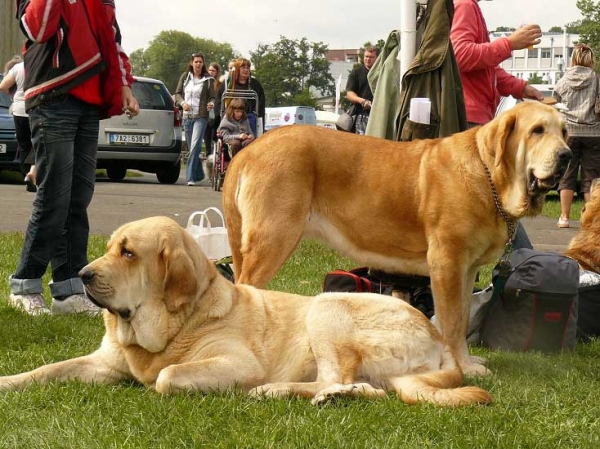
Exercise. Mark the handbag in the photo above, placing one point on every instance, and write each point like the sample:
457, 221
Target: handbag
347, 120
597, 103
212, 239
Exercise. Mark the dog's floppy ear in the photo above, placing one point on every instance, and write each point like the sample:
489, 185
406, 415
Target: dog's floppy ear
498, 132
180, 278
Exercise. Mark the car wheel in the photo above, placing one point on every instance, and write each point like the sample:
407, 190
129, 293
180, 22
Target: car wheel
169, 175
116, 173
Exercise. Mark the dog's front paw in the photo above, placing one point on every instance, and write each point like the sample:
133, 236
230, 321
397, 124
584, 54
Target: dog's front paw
477, 360
270, 391
475, 369
334, 391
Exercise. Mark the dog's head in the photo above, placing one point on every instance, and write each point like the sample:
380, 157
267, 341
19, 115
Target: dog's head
151, 275
590, 214
530, 154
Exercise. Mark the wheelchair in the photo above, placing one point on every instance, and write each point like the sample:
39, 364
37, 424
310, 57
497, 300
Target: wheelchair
222, 152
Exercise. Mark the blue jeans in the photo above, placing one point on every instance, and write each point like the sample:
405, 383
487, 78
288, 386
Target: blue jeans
194, 133
64, 134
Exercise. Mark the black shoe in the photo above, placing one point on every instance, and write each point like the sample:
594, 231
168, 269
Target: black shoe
30, 185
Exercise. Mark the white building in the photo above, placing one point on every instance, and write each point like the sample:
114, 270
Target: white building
548, 59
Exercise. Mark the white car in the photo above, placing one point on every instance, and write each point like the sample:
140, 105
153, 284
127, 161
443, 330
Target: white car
149, 142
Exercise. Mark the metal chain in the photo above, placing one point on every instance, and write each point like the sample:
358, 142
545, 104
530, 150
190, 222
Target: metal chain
510, 224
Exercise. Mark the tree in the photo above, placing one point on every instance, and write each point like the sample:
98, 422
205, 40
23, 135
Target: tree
574, 27
589, 28
170, 52
138, 62
505, 29
535, 79
288, 69
555, 30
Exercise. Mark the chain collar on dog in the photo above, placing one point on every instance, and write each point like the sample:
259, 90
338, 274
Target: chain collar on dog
510, 224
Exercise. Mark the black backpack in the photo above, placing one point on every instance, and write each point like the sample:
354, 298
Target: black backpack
535, 306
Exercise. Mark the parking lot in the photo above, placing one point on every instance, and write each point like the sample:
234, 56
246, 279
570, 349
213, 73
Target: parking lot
116, 203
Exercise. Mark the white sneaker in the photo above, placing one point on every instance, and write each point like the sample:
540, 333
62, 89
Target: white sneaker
32, 304
191, 183
75, 304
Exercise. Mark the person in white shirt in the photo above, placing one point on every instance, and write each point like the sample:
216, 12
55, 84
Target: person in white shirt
14, 79
195, 94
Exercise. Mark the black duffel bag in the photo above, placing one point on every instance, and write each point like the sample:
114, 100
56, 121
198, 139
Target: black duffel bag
535, 307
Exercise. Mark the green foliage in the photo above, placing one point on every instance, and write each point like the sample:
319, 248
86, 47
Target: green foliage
289, 68
505, 29
169, 53
535, 79
139, 65
574, 27
589, 29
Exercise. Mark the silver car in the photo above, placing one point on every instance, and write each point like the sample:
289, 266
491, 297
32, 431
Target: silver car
149, 142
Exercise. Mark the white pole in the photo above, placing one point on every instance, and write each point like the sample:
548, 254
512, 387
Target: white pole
408, 34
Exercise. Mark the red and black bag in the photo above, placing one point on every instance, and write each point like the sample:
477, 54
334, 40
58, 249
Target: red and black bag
357, 280
414, 289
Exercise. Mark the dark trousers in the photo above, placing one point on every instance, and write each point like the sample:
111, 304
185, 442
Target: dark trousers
26, 153
65, 138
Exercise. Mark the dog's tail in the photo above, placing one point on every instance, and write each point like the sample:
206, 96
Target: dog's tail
441, 387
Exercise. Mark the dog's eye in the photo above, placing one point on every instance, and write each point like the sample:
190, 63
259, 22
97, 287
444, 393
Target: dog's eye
538, 130
126, 253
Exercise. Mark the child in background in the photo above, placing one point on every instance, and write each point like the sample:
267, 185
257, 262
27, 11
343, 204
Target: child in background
235, 126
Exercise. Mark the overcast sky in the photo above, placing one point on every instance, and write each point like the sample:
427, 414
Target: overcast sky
339, 24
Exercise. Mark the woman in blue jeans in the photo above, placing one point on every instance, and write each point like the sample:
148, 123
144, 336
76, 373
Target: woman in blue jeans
195, 94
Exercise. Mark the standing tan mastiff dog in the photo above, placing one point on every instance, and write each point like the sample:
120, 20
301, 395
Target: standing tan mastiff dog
424, 207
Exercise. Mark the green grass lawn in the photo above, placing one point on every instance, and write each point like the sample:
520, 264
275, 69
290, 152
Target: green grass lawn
539, 401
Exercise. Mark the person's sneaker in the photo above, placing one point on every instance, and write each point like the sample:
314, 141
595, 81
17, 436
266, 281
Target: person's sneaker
191, 183
75, 304
31, 304
563, 223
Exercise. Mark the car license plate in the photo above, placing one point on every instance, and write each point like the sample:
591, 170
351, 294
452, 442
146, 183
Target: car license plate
2, 148
124, 139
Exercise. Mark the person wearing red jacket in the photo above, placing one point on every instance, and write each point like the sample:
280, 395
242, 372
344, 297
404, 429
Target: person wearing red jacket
478, 60
483, 80
76, 75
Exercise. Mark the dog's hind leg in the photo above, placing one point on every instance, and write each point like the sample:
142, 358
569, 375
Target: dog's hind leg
268, 241
441, 387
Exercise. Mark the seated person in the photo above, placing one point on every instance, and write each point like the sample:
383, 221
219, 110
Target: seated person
240, 79
235, 127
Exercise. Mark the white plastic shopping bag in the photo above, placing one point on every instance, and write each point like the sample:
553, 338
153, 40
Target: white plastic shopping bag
212, 237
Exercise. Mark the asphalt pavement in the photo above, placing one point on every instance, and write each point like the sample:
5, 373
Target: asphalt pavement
116, 203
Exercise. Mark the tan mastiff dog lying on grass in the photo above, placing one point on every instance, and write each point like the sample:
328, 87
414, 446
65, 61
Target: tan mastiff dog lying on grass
173, 323
438, 208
